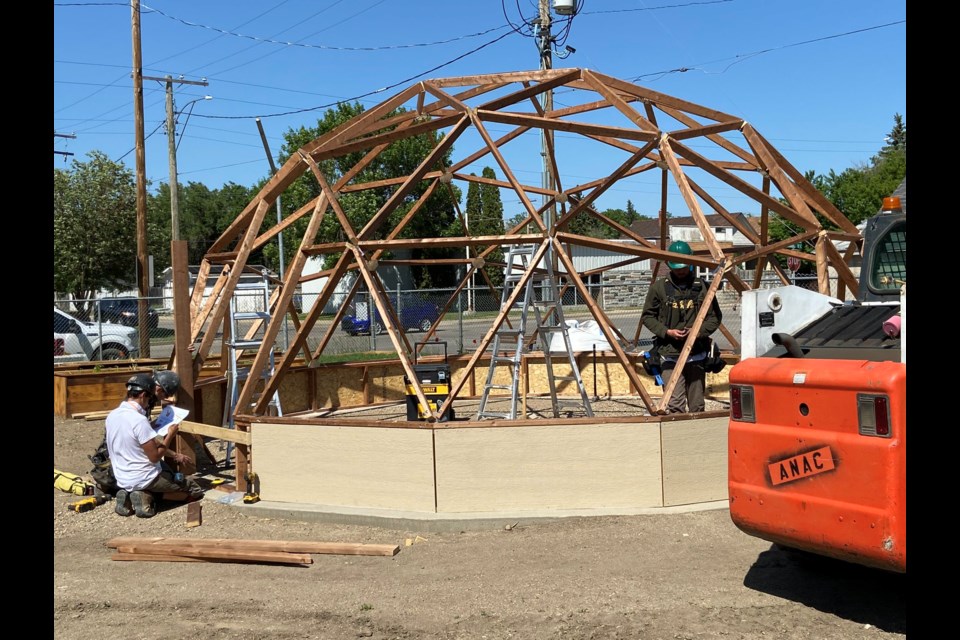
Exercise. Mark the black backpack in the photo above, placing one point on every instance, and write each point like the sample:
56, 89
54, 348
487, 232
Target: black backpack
102, 472
713, 363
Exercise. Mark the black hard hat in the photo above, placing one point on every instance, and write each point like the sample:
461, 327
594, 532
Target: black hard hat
141, 382
169, 381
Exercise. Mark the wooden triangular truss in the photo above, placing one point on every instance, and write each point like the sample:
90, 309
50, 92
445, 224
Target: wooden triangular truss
694, 148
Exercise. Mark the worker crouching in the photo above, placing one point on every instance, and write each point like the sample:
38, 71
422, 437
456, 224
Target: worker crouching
136, 452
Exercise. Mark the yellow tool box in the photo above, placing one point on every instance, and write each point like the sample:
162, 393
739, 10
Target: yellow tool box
435, 382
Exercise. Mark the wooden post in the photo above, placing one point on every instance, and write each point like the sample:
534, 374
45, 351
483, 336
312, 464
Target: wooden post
365, 384
183, 358
143, 280
194, 515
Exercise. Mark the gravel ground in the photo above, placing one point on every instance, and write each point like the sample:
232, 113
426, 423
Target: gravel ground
672, 576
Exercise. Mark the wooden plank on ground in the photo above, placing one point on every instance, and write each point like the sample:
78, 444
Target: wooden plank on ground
278, 557
152, 557
194, 515
289, 546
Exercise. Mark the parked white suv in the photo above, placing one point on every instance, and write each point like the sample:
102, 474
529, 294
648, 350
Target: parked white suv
74, 339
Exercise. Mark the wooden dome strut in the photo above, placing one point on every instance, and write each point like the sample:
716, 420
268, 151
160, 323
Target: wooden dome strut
649, 131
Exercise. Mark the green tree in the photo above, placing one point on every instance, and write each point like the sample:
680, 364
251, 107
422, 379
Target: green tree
858, 191
624, 217
473, 206
435, 219
516, 219
94, 228
492, 206
485, 215
588, 225
897, 138
158, 227
585, 224
204, 215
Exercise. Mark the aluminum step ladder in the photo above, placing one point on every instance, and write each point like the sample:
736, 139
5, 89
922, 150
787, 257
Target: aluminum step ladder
250, 301
548, 312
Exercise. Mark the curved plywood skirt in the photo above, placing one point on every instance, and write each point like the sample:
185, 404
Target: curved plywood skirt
549, 466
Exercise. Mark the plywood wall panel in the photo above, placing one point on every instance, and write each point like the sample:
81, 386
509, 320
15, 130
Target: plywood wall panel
339, 386
380, 468
294, 391
551, 467
694, 461
209, 409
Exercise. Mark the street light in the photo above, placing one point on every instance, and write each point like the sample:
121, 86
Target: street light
172, 151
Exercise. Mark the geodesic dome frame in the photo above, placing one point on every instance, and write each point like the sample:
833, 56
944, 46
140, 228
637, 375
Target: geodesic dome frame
642, 131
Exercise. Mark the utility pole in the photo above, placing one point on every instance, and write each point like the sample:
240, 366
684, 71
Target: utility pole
544, 40
143, 283
172, 160
72, 136
545, 43
273, 170
172, 153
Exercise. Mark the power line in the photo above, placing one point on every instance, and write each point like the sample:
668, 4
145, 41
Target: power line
242, 24
288, 43
157, 128
269, 40
363, 95
740, 57
211, 78
297, 23
668, 6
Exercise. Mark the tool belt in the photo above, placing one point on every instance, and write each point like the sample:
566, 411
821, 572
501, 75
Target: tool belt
72, 483
102, 472
713, 363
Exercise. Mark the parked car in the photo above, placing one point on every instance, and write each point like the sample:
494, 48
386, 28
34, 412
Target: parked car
414, 312
126, 311
74, 339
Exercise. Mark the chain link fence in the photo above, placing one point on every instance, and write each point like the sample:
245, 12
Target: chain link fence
360, 333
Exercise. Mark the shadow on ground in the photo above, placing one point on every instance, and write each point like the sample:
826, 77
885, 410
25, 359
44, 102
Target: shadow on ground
849, 591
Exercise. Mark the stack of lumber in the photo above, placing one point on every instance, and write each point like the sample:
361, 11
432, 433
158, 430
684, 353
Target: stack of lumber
293, 552
100, 415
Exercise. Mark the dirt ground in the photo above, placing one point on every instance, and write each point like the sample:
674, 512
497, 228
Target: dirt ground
672, 576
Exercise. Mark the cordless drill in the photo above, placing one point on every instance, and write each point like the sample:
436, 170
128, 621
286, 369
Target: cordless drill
88, 503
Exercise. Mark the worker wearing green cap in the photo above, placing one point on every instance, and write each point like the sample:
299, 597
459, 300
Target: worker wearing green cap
669, 310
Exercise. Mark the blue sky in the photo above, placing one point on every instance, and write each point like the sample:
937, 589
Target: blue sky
820, 79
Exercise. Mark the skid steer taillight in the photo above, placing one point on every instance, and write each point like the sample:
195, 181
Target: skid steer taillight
741, 403
873, 413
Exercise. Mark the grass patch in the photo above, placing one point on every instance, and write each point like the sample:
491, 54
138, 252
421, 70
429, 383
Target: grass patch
360, 356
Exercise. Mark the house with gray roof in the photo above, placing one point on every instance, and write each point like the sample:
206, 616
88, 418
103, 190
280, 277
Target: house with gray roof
686, 229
